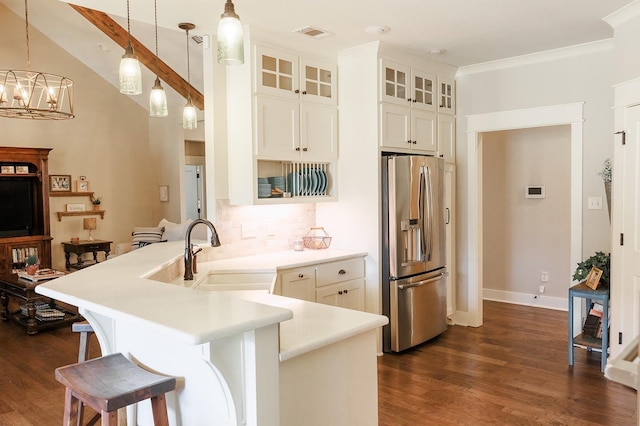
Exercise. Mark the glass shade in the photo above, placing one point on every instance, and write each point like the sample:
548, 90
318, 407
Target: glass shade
189, 118
230, 37
158, 101
130, 73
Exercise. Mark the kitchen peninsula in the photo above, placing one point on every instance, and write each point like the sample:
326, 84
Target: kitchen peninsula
239, 356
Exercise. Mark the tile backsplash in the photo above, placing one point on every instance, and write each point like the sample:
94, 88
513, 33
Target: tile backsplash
276, 227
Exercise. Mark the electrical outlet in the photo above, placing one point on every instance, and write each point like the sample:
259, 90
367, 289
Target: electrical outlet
544, 276
541, 289
595, 203
249, 230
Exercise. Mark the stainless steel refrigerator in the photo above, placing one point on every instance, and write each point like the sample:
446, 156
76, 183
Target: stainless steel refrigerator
413, 258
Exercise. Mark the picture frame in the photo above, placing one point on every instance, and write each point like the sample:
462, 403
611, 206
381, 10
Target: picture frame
7, 170
22, 170
60, 183
82, 185
164, 192
76, 207
593, 279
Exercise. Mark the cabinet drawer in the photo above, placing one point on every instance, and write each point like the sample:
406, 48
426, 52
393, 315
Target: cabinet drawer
335, 272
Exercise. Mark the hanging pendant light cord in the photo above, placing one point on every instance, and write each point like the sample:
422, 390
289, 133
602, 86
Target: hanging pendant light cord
188, 65
128, 24
26, 23
155, 12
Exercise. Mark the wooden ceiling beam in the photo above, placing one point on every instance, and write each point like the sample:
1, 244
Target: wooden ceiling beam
115, 32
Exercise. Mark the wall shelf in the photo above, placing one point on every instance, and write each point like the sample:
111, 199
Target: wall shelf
71, 194
85, 213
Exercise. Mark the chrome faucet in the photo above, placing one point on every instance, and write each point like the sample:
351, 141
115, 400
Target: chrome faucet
189, 254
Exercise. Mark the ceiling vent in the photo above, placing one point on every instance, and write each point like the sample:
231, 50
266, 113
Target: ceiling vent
314, 32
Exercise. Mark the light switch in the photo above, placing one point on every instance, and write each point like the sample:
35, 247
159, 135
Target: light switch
595, 203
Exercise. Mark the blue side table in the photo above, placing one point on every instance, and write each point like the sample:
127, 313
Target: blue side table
601, 295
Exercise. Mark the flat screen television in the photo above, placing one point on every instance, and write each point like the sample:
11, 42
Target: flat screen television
17, 207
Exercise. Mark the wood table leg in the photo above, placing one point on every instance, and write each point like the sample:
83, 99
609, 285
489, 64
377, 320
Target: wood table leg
32, 323
5, 306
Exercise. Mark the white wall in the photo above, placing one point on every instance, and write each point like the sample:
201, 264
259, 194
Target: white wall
525, 236
586, 77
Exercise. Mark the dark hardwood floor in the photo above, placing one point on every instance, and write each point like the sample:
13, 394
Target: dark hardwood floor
512, 371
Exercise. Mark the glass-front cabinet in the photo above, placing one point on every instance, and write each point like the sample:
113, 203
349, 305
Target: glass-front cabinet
407, 86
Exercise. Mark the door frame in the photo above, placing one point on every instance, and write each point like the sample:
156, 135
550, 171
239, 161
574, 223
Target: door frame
477, 124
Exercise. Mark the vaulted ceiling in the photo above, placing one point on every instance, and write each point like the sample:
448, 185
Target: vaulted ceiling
471, 31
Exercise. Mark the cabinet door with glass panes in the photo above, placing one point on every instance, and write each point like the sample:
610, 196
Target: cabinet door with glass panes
446, 95
407, 86
318, 81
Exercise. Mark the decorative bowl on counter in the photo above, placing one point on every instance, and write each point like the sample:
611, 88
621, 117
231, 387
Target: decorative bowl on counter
317, 238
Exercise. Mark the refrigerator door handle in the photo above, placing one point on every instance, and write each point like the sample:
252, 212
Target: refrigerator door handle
421, 217
421, 283
428, 220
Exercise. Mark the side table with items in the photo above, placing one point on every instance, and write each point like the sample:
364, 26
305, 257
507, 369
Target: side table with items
36, 312
81, 247
589, 339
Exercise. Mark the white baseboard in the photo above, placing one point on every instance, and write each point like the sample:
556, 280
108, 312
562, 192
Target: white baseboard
458, 318
539, 301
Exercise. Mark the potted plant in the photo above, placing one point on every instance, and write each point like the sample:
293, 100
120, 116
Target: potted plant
31, 264
601, 261
96, 201
605, 173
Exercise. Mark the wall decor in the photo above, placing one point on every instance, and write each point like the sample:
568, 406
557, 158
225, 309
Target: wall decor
22, 170
75, 207
60, 183
593, 279
7, 169
82, 185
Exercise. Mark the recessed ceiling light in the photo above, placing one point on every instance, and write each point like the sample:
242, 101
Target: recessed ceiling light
103, 47
438, 51
377, 29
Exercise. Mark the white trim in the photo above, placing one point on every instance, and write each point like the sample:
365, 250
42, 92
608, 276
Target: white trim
526, 299
533, 58
506, 120
623, 14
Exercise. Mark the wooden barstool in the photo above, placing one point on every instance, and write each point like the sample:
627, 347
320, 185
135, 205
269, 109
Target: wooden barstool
86, 331
109, 383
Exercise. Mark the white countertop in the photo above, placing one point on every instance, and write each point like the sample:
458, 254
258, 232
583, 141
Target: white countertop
116, 289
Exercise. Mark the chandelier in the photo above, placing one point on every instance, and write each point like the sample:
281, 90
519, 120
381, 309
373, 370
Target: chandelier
35, 95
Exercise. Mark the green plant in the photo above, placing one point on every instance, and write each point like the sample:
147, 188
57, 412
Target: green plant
601, 261
605, 173
32, 259
96, 201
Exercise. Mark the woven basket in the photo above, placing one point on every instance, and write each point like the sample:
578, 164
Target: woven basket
317, 238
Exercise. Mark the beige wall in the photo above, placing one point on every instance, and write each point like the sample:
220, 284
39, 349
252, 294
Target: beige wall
106, 142
586, 77
523, 237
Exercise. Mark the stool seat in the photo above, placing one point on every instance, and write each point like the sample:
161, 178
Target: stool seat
111, 382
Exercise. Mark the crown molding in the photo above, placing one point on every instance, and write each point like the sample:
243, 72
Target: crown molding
533, 58
623, 14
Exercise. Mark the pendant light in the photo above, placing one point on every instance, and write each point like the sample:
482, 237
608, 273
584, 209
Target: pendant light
35, 95
130, 73
158, 97
230, 37
189, 118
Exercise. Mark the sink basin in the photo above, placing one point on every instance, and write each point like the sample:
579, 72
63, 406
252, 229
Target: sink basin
241, 281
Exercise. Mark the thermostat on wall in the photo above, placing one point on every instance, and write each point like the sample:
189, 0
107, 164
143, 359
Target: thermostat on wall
534, 192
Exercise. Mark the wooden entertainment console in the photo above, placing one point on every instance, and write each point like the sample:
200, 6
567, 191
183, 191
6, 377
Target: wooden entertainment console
27, 165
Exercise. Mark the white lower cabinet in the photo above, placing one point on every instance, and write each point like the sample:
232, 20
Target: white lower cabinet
340, 283
299, 284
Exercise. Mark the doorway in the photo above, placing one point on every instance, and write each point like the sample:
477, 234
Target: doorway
571, 114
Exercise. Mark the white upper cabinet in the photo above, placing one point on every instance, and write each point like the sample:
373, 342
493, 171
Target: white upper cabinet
407, 86
284, 74
447, 137
446, 95
404, 128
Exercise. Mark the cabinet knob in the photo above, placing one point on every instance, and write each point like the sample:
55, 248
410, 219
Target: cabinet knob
340, 292
414, 142
409, 141
346, 291
304, 92
410, 100
304, 149
296, 91
300, 275
298, 149
342, 272
414, 100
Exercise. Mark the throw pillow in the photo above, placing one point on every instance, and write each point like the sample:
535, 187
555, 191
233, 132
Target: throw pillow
144, 236
174, 231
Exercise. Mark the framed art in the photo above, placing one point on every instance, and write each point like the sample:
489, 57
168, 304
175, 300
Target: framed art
22, 170
60, 183
7, 169
82, 185
593, 279
75, 207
